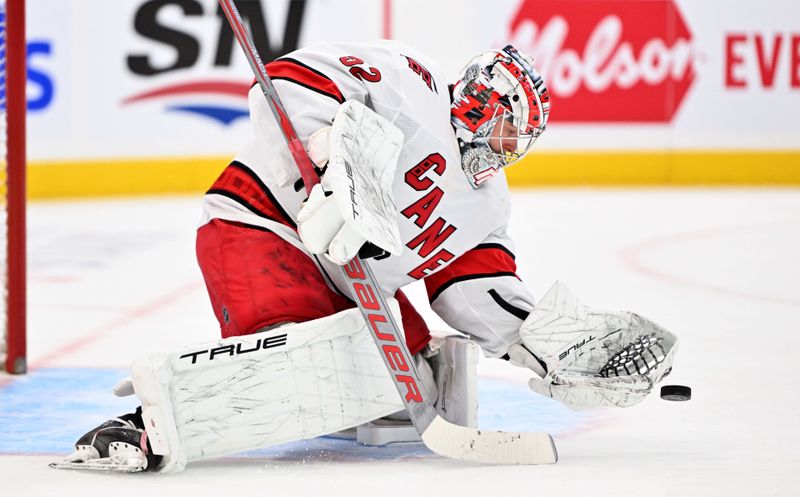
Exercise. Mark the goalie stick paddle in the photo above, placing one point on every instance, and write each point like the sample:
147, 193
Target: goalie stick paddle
439, 435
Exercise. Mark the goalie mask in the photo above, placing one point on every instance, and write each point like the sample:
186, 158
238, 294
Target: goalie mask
500, 107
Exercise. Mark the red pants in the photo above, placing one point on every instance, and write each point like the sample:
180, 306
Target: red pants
256, 279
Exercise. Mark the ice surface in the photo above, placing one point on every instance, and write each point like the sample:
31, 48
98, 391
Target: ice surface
109, 280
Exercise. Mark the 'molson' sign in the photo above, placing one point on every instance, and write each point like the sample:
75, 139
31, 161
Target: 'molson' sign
608, 60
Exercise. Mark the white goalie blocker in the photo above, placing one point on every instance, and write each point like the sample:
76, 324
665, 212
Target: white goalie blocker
364, 150
354, 202
290, 383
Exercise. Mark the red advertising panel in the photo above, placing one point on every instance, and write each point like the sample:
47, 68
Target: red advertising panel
609, 60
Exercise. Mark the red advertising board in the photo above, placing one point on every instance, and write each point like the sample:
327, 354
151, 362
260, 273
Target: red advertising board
609, 60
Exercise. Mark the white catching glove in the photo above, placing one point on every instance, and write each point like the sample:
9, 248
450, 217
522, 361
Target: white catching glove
354, 203
591, 358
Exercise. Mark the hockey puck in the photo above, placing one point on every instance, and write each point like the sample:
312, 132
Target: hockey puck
676, 392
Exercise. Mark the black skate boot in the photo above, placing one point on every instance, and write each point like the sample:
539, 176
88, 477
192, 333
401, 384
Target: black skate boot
119, 444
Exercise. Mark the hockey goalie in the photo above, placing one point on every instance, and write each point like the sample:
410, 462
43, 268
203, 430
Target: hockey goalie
295, 359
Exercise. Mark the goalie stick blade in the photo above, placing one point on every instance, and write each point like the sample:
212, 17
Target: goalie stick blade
489, 447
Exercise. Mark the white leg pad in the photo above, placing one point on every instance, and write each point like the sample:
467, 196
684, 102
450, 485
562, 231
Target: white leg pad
385, 431
452, 363
455, 367
295, 382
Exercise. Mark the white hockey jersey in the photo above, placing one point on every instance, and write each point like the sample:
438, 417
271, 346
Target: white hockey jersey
454, 236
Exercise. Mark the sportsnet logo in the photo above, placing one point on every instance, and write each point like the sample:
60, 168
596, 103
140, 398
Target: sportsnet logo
224, 113
608, 60
167, 46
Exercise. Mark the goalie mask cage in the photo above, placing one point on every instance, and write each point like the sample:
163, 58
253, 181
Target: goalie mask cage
12, 185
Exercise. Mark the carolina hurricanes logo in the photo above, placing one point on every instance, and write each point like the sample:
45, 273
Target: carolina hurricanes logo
221, 101
612, 60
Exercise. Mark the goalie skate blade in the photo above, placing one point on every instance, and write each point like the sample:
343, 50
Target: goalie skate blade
94, 466
489, 447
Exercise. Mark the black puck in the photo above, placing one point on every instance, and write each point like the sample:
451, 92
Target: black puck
676, 392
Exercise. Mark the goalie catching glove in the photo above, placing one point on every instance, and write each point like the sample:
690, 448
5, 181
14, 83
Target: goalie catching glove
589, 358
354, 203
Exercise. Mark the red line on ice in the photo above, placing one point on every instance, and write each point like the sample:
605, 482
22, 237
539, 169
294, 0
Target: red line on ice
95, 334
632, 254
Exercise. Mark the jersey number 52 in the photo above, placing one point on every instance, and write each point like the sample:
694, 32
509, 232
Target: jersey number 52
370, 74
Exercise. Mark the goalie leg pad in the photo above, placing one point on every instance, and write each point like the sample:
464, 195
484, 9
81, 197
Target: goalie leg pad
397, 427
450, 370
290, 383
455, 367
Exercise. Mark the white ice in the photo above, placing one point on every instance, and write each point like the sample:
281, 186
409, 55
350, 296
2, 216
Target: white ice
109, 280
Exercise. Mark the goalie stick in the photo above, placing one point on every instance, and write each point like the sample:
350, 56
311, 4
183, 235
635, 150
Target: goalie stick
439, 435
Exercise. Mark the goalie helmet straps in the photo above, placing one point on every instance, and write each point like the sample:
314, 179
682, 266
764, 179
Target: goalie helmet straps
500, 107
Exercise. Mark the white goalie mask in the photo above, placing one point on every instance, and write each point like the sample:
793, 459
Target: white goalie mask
500, 107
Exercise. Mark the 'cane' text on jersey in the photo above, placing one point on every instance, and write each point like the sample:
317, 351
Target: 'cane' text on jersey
420, 211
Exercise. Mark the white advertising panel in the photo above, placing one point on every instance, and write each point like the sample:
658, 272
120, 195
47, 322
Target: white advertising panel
150, 78
161, 78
